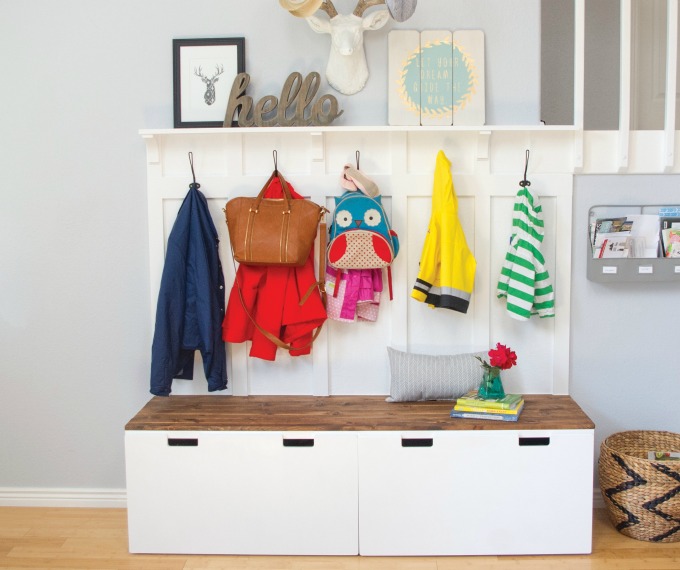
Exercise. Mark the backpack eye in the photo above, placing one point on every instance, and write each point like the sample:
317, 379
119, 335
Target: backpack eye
343, 218
372, 217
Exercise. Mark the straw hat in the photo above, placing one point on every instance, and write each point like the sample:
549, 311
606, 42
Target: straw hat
301, 8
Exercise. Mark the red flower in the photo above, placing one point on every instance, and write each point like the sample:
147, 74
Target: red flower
502, 357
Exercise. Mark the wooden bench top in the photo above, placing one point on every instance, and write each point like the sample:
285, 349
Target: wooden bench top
341, 413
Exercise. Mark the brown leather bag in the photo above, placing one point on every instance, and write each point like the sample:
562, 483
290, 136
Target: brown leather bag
266, 231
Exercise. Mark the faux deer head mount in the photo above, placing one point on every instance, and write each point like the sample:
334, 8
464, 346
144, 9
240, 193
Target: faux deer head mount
347, 70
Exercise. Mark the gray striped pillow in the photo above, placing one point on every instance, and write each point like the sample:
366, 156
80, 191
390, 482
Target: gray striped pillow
416, 377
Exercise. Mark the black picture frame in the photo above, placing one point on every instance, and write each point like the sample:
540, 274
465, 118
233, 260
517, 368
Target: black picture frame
203, 72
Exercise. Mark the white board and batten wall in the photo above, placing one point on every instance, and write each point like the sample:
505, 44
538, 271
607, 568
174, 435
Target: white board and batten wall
351, 358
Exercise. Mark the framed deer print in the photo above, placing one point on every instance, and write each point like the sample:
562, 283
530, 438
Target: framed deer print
203, 73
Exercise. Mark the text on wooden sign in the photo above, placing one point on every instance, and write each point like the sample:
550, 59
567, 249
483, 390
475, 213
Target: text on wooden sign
297, 95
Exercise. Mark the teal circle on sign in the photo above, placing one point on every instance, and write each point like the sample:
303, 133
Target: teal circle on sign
428, 79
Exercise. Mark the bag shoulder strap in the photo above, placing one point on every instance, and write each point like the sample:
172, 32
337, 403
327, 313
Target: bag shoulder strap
321, 284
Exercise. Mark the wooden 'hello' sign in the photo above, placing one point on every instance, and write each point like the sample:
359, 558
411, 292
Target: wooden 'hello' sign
295, 107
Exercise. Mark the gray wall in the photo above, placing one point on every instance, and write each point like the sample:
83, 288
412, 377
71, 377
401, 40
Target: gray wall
79, 79
623, 370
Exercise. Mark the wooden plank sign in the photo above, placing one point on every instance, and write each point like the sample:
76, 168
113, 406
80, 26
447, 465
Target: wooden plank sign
468, 78
436, 78
403, 77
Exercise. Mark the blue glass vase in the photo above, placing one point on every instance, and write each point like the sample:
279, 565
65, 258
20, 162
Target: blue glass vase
491, 387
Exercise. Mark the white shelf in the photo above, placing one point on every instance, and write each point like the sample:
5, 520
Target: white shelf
358, 129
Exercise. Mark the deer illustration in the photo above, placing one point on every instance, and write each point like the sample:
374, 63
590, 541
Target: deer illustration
209, 95
347, 70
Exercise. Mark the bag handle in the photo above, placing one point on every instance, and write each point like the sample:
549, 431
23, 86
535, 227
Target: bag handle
284, 186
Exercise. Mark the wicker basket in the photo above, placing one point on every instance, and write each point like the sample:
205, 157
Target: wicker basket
642, 496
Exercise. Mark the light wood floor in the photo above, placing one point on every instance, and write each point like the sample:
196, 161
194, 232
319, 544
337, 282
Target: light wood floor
96, 539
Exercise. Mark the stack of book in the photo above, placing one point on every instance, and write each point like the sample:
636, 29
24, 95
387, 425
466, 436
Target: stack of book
507, 409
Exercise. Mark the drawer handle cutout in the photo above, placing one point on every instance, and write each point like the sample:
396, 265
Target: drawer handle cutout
183, 442
417, 442
529, 441
298, 443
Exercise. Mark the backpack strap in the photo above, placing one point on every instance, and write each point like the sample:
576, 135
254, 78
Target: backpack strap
389, 280
337, 273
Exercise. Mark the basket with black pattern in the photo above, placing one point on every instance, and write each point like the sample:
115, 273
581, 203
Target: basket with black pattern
642, 495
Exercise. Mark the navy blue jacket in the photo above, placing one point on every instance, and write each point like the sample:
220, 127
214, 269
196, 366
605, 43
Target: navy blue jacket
190, 302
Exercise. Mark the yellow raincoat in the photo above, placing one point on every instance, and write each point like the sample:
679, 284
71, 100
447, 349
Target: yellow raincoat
447, 267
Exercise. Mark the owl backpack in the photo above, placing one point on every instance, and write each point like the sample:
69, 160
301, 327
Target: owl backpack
360, 236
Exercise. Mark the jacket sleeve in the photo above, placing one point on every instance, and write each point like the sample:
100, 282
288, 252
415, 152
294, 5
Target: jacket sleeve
208, 280
167, 358
430, 264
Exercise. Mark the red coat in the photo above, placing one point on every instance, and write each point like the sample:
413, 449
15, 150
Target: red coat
272, 295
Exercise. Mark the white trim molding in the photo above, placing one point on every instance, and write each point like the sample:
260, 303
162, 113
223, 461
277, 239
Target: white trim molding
598, 501
105, 498
60, 497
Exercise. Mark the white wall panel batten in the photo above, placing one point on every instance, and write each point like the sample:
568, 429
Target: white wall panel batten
483, 144
555, 248
321, 365
625, 84
481, 245
671, 83
399, 147
155, 226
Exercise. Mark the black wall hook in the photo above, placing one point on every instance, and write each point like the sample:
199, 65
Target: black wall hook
193, 174
524, 183
276, 160
358, 154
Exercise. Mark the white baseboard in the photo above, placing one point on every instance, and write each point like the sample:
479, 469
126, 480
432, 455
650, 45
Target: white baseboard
51, 497
598, 501
104, 498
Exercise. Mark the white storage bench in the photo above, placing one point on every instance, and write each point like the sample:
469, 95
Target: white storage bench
356, 475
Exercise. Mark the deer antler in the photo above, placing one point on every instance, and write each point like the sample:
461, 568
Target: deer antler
219, 70
363, 5
327, 6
